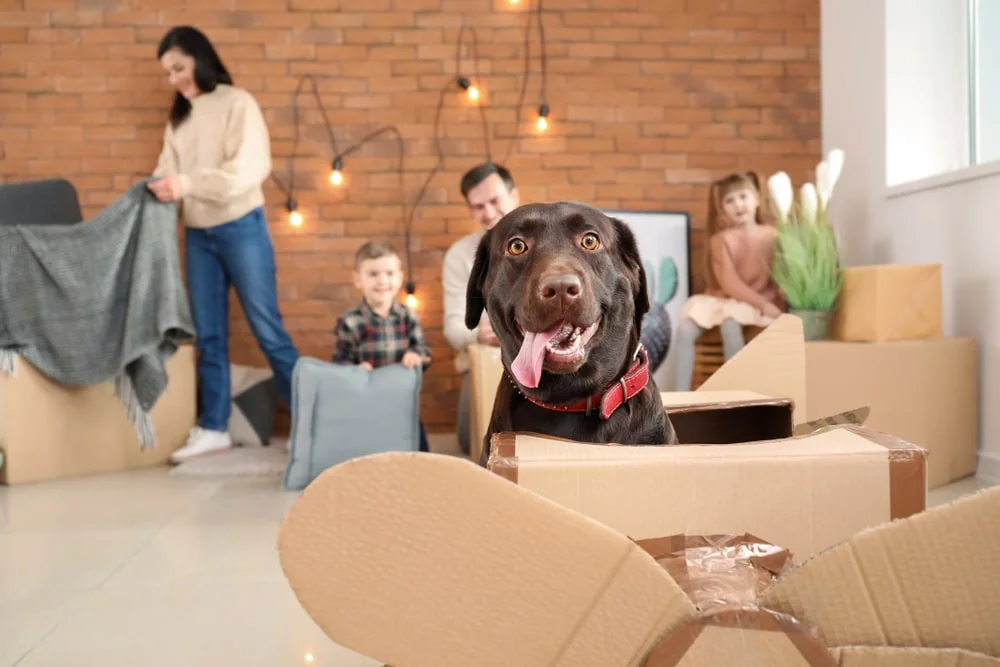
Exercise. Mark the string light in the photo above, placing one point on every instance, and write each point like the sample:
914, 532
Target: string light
337, 176
411, 300
294, 217
473, 92
470, 89
543, 118
542, 122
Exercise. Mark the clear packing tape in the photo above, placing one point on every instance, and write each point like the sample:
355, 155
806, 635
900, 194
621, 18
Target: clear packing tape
720, 570
724, 576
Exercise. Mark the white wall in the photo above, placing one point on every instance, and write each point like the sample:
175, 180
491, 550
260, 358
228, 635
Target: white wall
954, 223
925, 46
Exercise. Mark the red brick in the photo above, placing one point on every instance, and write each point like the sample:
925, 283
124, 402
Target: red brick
23, 18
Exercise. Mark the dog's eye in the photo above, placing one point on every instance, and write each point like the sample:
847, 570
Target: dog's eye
517, 247
590, 241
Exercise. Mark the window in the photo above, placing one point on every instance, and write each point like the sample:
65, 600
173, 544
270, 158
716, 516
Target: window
942, 68
984, 80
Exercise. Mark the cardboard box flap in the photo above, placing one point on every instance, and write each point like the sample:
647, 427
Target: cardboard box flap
856, 417
679, 401
773, 364
797, 492
881, 656
741, 637
427, 559
901, 584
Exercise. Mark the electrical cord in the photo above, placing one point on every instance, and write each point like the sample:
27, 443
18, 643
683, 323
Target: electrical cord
535, 17
464, 83
289, 191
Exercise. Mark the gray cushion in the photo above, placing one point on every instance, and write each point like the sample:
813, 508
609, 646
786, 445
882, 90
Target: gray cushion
254, 404
48, 202
343, 412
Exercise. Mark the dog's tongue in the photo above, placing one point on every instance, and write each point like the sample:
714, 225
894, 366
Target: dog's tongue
527, 367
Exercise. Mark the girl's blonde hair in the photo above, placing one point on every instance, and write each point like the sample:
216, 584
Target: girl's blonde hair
716, 193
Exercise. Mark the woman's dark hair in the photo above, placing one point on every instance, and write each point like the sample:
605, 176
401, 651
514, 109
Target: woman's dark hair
208, 68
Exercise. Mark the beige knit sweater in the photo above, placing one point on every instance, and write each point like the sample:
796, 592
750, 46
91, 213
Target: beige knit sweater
222, 154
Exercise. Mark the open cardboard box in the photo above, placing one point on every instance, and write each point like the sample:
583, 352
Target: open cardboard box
770, 369
742, 465
425, 560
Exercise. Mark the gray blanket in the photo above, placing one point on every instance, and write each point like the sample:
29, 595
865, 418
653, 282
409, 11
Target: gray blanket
98, 301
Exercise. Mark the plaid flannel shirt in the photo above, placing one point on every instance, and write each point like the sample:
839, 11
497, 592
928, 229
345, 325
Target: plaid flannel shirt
364, 335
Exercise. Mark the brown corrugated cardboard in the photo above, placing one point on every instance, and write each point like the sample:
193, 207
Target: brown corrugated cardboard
772, 364
889, 302
925, 392
388, 564
878, 656
485, 372
386, 552
49, 431
932, 581
804, 493
737, 636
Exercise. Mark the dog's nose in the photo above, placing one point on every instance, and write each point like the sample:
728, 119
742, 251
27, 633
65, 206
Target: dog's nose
565, 287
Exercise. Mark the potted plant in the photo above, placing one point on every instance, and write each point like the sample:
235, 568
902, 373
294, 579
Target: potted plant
806, 264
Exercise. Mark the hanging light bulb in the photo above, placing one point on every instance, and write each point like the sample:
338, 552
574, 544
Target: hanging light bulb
294, 217
411, 300
470, 89
337, 175
543, 118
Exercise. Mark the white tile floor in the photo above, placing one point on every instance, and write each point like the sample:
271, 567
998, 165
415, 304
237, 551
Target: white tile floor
144, 569
152, 570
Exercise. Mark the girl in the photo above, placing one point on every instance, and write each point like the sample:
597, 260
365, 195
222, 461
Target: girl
216, 154
740, 290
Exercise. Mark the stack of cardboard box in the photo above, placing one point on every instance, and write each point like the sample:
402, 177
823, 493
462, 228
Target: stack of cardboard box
888, 351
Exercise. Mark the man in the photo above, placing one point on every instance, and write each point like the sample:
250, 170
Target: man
490, 192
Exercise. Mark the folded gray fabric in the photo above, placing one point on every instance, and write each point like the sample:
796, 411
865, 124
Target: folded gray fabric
98, 301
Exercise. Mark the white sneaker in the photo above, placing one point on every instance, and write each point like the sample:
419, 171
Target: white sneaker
202, 441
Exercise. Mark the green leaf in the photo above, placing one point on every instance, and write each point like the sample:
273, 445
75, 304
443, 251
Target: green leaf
807, 264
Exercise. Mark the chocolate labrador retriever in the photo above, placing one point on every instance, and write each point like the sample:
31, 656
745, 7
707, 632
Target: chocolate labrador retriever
565, 291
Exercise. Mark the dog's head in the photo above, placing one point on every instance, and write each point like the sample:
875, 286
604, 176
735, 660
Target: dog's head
565, 291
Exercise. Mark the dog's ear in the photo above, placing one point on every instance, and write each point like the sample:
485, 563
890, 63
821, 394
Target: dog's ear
628, 253
475, 300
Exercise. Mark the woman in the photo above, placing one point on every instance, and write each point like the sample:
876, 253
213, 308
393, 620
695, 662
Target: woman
216, 155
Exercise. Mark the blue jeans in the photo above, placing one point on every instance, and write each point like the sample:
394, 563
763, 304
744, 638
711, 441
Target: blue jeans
238, 254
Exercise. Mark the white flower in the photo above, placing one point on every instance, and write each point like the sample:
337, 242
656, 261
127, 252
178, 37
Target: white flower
779, 186
827, 174
835, 159
809, 202
824, 186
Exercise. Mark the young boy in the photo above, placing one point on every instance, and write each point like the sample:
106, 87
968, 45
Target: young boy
381, 331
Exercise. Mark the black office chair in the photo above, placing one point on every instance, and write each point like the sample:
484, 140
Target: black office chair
45, 202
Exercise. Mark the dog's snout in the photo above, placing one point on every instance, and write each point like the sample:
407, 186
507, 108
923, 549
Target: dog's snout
565, 287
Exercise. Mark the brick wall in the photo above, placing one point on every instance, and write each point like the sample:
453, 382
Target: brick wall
650, 100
